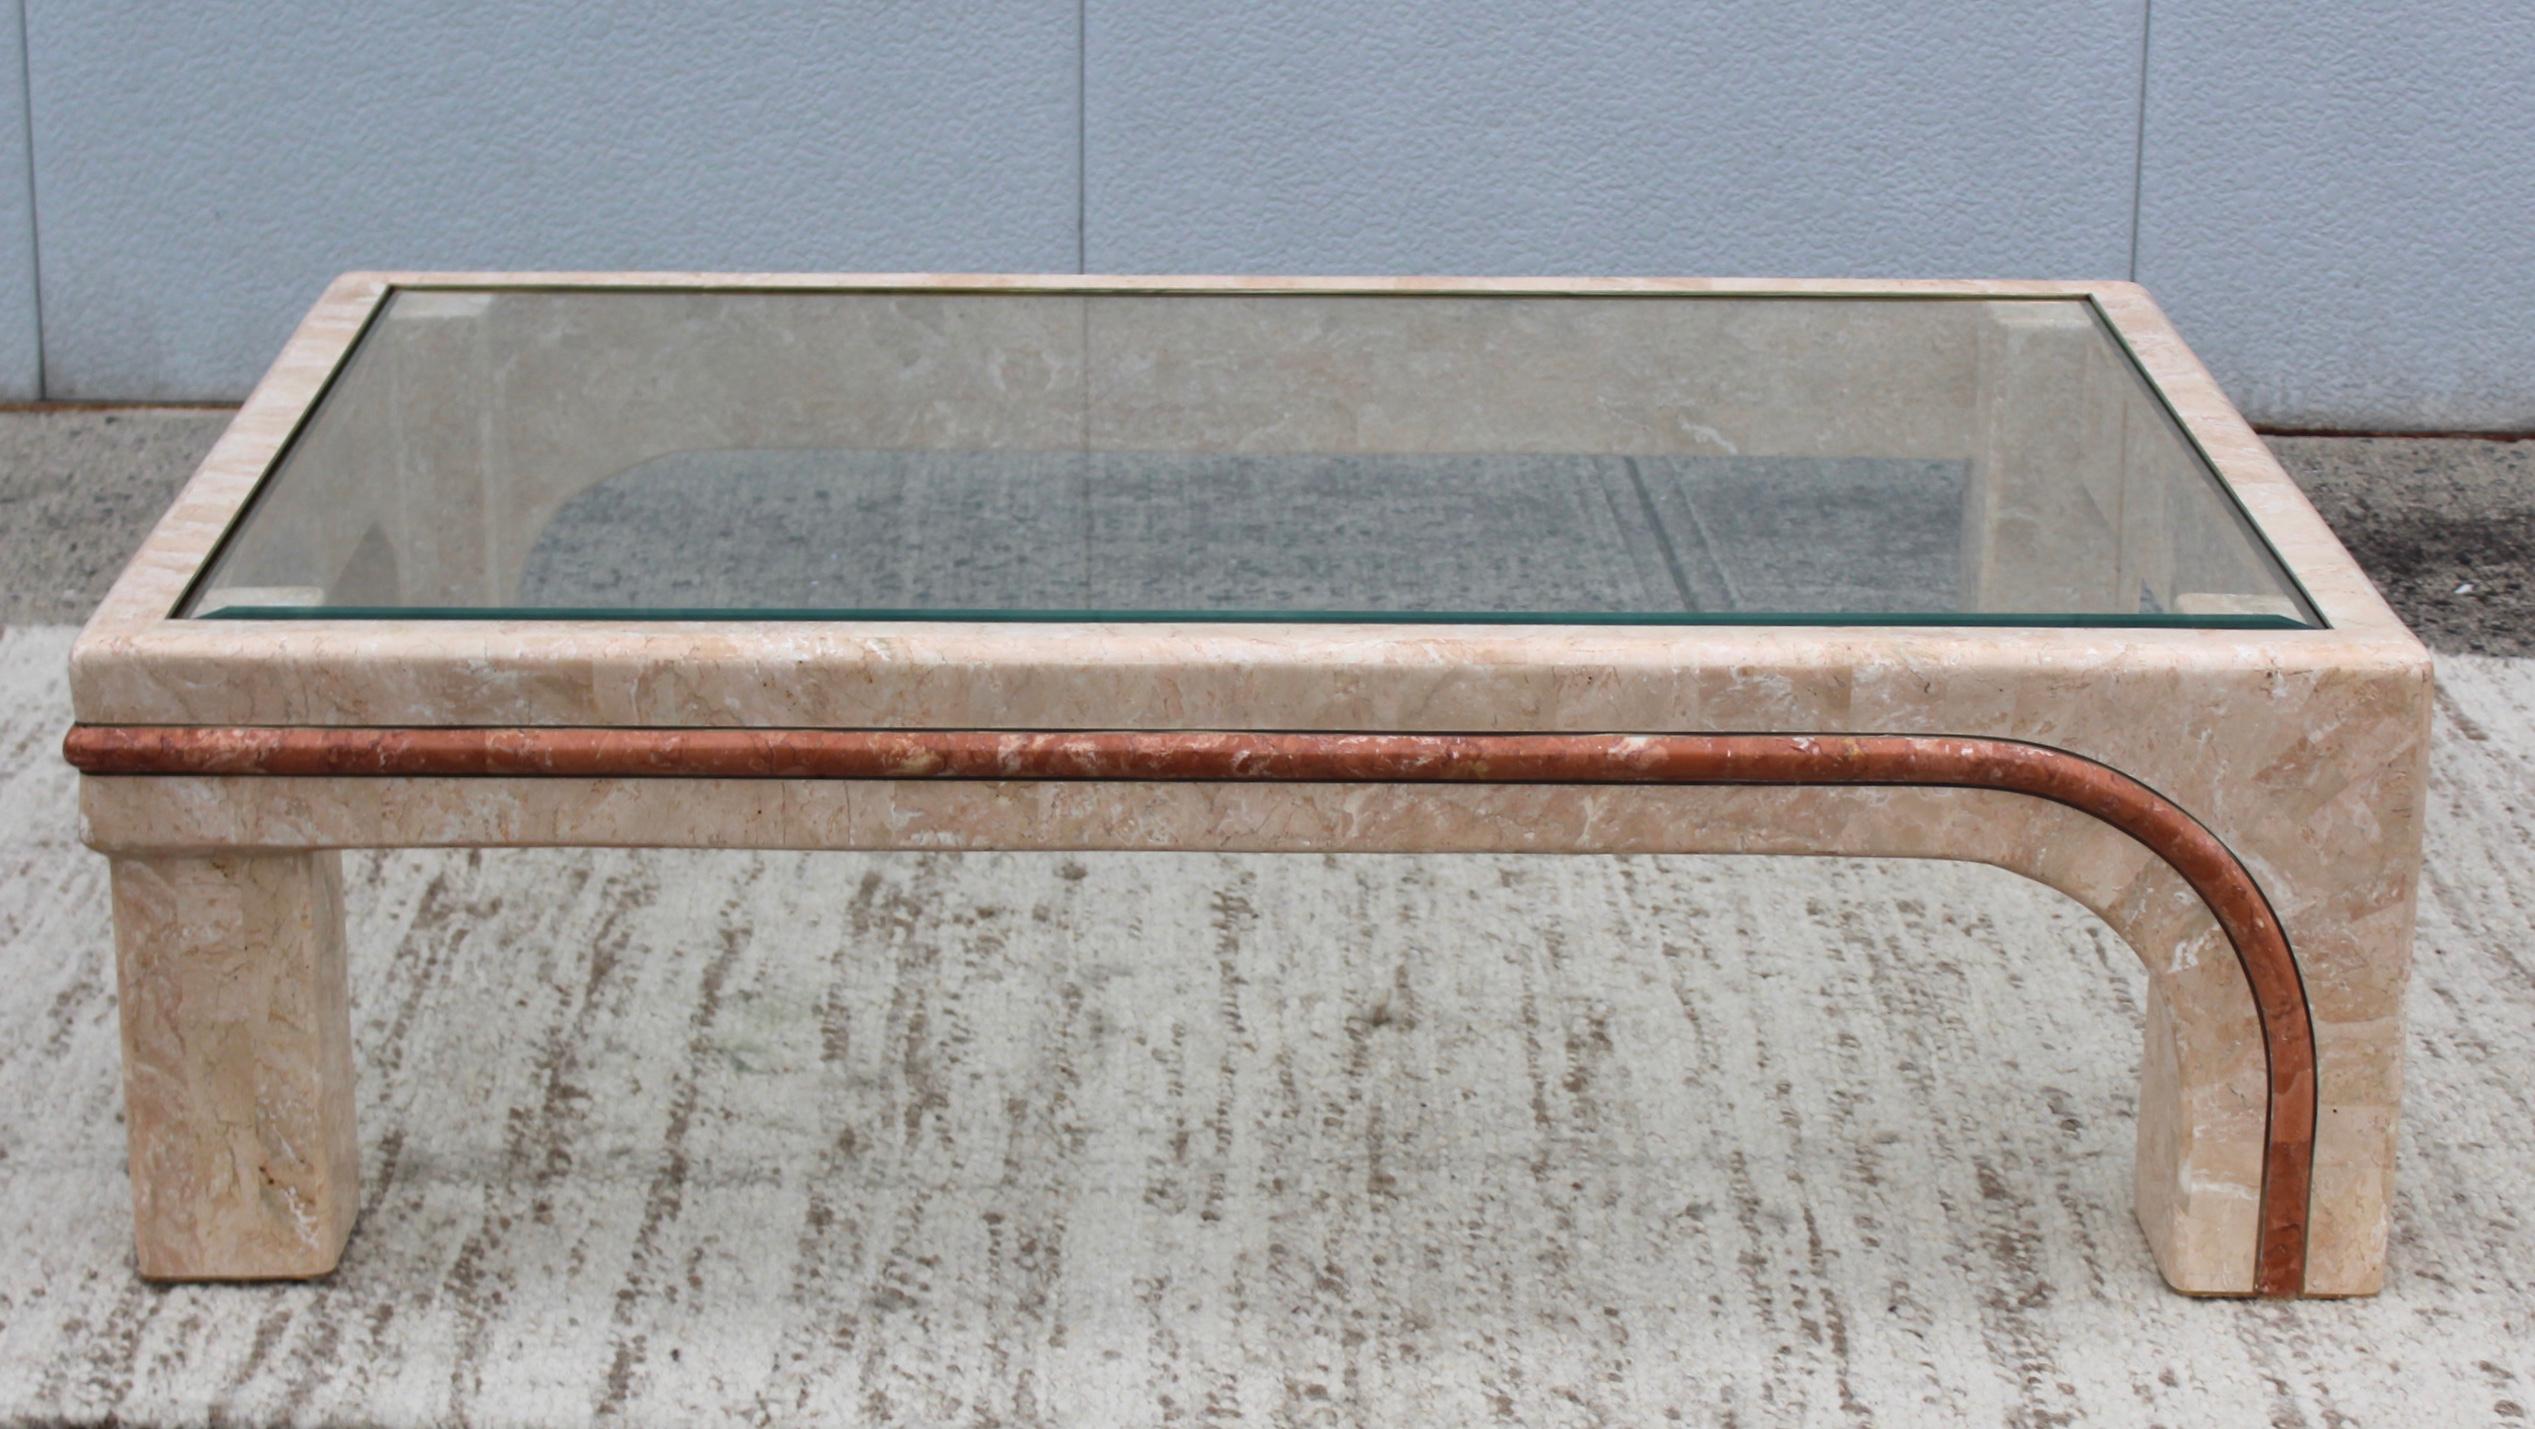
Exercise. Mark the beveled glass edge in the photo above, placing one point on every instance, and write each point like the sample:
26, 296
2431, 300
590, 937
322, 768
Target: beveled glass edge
186, 598
1088, 286
2074, 620
2315, 617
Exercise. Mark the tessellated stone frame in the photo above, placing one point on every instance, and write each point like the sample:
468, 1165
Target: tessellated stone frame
2242, 804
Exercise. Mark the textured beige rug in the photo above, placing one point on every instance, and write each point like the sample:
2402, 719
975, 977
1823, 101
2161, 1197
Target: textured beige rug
1125, 1140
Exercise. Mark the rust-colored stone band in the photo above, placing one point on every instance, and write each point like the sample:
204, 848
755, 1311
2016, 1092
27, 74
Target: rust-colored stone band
1889, 759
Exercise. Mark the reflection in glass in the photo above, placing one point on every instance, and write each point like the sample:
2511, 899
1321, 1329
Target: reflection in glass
665, 454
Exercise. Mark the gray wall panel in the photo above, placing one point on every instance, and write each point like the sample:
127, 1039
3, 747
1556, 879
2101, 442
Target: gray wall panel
1811, 137
2338, 206
205, 168
2336, 202
21, 367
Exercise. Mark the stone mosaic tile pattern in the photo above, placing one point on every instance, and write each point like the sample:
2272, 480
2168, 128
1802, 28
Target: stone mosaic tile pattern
1121, 1139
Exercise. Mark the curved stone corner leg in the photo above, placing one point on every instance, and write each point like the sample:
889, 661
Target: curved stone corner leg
2359, 1081
2206, 1151
2198, 1184
237, 1063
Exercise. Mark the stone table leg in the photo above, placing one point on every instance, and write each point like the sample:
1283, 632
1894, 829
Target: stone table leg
237, 1063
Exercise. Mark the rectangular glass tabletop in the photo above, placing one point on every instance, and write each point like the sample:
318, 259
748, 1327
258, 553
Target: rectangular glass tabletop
646, 453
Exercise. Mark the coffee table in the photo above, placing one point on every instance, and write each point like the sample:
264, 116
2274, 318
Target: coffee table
1984, 571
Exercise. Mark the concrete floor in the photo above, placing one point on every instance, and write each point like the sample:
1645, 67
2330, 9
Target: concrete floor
79, 488
672, 1137
2445, 526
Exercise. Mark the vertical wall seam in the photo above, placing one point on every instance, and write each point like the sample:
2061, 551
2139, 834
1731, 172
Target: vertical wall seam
1082, 131
34, 220
2139, 136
